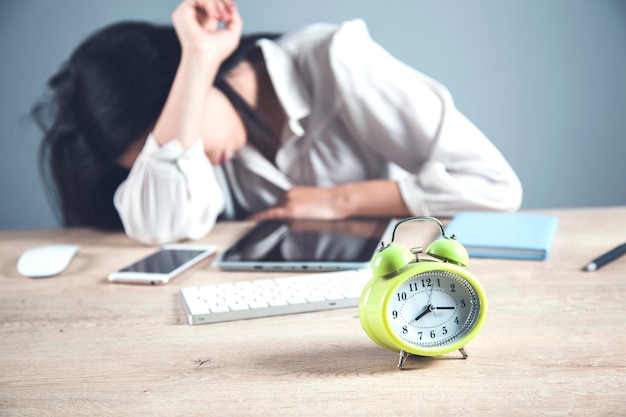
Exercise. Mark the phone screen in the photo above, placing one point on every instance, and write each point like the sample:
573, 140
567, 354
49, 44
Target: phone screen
164, 261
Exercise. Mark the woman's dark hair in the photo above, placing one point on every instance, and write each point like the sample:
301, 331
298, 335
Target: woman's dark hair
106, 96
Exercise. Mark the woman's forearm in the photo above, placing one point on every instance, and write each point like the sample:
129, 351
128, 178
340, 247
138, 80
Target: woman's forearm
208, 32
375, 198
182, 114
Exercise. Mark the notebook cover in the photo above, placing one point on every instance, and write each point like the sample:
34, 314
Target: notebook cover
504, 235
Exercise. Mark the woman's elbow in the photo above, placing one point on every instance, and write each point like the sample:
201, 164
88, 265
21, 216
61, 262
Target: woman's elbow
151, 224
506, 196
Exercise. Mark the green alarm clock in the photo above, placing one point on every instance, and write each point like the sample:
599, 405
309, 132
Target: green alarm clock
423, 307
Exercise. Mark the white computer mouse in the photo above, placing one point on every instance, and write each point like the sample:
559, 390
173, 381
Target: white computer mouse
46, 261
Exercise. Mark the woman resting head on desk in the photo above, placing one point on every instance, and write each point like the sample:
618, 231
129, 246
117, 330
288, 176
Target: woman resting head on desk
162, 130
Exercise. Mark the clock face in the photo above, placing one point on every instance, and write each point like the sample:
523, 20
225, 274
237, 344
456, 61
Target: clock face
433, 309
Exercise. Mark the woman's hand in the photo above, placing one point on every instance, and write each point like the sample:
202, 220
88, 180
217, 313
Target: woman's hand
208, 27
302, 202
373, 198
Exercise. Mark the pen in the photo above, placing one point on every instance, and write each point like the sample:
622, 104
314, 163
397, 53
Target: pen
604, 259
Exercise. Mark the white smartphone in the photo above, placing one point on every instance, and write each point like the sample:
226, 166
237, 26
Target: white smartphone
163, 265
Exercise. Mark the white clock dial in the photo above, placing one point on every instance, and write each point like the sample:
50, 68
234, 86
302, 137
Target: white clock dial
433, 309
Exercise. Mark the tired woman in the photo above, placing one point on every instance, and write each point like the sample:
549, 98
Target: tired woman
163, 130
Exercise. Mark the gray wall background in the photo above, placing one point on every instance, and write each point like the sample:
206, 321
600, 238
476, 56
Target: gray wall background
545, 80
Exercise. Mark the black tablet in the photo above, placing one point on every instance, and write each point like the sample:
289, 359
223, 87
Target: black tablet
306, 245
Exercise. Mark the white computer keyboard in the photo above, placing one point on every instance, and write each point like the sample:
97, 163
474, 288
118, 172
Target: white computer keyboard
272, 297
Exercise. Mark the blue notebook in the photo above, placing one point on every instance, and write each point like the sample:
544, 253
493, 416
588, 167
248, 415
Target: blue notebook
504, 235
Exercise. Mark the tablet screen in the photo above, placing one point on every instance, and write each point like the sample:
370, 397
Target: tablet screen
306, 245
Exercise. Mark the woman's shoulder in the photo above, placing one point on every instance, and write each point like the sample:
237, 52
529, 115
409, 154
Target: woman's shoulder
311, 33
317, 38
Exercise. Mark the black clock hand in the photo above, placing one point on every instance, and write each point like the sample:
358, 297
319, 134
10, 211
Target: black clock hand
445, 308
428, 309
430, 306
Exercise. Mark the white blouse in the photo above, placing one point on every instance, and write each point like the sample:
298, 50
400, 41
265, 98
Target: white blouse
354, 113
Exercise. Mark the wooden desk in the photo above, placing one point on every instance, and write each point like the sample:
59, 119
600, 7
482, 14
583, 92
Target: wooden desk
554, 342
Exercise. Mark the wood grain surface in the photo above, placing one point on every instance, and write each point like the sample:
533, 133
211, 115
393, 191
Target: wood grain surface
554, 342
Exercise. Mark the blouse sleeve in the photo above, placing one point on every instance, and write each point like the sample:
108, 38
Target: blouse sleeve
170, 194
411, 120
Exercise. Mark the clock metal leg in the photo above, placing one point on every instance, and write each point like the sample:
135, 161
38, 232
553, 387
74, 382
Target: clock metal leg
402, 359
404, 355
464, 353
